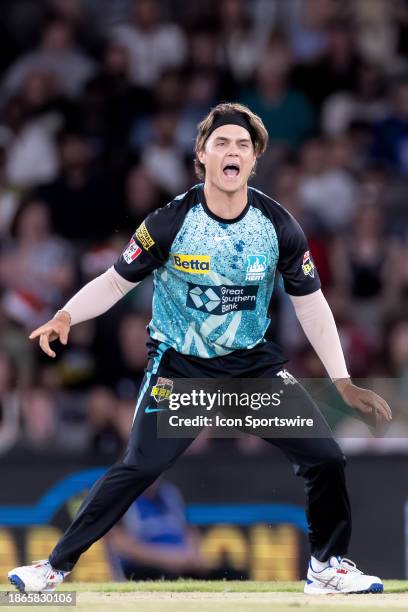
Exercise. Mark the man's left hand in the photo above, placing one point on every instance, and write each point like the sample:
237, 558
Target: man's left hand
363, 399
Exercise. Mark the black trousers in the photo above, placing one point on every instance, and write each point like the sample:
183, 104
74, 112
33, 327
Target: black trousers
319, 461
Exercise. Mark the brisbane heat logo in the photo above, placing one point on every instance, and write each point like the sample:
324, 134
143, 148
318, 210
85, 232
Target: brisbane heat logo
192, 264
256, 267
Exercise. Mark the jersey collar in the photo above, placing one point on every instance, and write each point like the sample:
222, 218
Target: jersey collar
202, 200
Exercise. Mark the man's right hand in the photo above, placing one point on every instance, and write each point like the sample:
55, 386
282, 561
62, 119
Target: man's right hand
58, 327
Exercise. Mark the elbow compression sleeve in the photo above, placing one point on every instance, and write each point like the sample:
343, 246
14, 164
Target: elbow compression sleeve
97, 296
317, 321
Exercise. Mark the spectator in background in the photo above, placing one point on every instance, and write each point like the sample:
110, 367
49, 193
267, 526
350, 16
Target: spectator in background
57, 54
104, 436
308, 33
336, 70
202, 93
125, 372
376, 29
13, 343
287, 114
327, 191
75, 368
167, 96
204, 56
153, 46
163, 157
391, 134
80, 199
31, 154
9, 402
203, 49
45, 102
153, 540
9, 196
142, 196
239, 44
121, 100
362, 264
285, 185
36, 266
39, 420
366, 103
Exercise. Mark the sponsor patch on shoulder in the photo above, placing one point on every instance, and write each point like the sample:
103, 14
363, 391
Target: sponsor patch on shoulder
143, 236
308, 265
131, 252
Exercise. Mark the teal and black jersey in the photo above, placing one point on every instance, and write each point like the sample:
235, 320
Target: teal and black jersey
214, 278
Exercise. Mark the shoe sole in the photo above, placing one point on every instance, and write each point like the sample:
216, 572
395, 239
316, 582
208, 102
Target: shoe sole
374, 589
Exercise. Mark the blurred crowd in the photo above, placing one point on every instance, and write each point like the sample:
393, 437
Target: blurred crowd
99, 102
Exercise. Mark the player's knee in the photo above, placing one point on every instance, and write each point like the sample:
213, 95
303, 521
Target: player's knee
334, 459
142, 468
330, 458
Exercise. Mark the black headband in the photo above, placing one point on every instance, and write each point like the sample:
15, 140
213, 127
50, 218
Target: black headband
235, 118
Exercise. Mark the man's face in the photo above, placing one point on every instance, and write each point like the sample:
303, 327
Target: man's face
228, 157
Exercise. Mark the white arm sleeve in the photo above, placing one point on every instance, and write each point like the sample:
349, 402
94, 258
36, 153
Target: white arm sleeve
97, 296
316, 319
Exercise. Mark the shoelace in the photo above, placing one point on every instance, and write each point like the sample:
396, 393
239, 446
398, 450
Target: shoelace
42, 561
349, 565
50, 569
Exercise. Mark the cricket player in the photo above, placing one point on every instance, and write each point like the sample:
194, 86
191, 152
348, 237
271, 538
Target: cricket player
214, 252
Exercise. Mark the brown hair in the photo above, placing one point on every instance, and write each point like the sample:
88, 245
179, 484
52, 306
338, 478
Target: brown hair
260, 138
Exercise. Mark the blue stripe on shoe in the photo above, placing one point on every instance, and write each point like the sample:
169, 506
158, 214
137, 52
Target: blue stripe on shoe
376, 587
17, 582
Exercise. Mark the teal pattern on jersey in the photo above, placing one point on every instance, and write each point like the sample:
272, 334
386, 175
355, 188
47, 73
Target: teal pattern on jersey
211, 296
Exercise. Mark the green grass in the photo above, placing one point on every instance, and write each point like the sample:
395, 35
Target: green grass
203, 586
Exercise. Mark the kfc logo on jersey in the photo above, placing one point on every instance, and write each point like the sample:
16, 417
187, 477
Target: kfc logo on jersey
308, 265
132, 252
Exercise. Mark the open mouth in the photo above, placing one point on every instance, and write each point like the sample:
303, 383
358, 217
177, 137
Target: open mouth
231, 170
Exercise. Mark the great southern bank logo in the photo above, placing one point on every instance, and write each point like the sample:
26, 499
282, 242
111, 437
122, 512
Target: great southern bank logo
221, 299
193, 264
256, 267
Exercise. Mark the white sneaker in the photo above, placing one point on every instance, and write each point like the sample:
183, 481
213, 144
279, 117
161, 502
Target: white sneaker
341, 576
40, 576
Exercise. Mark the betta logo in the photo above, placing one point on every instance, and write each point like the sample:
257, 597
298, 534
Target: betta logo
192, 264
308, 265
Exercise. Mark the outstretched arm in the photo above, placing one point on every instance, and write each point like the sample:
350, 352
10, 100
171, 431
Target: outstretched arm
92, 300
317, 321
